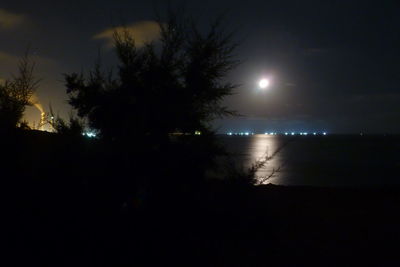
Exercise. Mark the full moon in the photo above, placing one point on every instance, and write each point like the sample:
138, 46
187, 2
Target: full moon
264, 83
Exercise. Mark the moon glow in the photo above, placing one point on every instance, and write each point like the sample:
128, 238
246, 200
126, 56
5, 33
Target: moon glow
263, 83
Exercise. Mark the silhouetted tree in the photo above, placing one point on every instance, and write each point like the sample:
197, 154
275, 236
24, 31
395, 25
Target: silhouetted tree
74, 127
174, 84
15, 94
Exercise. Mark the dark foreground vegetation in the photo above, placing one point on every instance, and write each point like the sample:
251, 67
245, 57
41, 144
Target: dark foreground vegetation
60, 219
93, 218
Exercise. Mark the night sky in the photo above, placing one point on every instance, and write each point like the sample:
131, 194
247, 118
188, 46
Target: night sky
333, 65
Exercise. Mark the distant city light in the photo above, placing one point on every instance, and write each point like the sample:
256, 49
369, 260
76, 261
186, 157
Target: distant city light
197, 133
249, 133
90, 134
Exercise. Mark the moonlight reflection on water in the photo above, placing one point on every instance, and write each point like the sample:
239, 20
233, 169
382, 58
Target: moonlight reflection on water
320, 160
248, 150
264, 148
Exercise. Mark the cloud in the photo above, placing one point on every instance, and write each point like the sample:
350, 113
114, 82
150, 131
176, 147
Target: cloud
9, 21
143, 32
315, 51
291, 84
9, 64
6, 58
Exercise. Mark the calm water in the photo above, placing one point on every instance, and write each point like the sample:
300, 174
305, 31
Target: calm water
321, 160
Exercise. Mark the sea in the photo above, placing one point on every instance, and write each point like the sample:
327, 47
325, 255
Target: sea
331, 160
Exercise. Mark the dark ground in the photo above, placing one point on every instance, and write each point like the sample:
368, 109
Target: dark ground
54, 217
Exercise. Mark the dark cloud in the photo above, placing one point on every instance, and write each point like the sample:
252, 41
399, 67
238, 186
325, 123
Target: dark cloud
9, 20
143, 32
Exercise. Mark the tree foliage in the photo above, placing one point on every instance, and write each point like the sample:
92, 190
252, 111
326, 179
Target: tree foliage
171, 85
15, 93
73, 128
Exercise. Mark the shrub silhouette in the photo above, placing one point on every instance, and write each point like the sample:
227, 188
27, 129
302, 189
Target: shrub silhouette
173, 85
166, 86
72, 128
15, 94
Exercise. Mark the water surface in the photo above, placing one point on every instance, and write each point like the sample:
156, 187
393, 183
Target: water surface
320, 160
